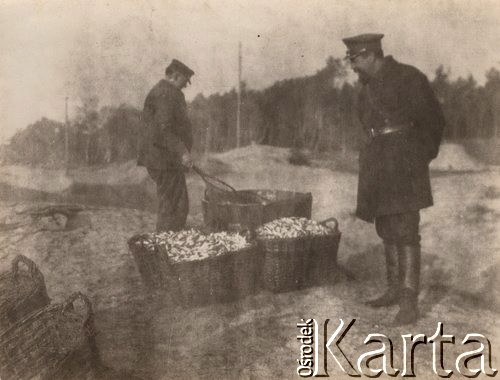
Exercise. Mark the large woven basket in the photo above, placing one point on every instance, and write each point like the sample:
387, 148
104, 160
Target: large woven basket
223, 216
206, 281
21, 292
238, 196
246, 266
281, 204
227, 277
322, 261
285, 265
152, 263
261, 206
216, 279
45, 343
81, 364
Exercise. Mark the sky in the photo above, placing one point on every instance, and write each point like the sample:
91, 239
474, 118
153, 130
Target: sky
118, 49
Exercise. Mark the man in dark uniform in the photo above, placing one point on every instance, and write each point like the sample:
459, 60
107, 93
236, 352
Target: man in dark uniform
404, 124
166, 143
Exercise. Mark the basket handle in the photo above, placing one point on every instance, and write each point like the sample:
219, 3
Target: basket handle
32, 268
204, 176
134, 239
89, 320
332, 219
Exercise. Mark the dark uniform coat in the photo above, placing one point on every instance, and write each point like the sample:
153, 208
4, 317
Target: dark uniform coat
394, 168
165, 138
167, 133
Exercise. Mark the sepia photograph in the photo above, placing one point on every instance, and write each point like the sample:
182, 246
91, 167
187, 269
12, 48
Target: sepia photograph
249, 189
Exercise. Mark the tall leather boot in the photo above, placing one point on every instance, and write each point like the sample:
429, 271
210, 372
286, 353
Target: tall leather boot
390, 297
409, 283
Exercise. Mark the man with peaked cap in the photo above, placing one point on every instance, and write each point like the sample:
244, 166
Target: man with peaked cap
404, 123
165, 145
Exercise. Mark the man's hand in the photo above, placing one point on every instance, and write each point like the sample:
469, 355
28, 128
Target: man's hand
187, 160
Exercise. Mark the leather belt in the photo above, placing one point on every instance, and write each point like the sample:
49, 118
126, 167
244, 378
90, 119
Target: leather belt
388, 130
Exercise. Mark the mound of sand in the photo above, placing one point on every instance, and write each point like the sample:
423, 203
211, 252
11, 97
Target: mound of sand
453, 157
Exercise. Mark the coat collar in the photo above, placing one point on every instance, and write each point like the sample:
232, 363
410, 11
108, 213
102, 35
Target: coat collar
166, 84
388, 66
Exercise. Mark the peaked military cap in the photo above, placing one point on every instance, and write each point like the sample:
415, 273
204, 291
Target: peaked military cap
363, 43
180, 67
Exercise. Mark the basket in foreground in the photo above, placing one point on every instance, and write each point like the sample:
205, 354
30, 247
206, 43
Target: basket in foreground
44, 343
21, 292
284, 267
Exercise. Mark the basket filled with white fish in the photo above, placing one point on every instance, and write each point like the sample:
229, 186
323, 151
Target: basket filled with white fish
290, 246
322, 263
203, 268
285, 243
253, 208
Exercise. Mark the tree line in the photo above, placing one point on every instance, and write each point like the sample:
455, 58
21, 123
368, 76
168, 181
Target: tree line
315, 112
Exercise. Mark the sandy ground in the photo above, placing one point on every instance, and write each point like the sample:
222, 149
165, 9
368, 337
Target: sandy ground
256, 337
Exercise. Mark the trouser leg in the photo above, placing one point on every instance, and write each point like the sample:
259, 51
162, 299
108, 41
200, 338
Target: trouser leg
402, 231
173, 203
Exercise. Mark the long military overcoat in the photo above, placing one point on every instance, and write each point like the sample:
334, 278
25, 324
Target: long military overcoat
394, 168
167, 130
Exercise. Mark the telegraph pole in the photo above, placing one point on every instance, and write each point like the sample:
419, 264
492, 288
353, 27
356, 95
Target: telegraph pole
208, 135
238, 110
66, 137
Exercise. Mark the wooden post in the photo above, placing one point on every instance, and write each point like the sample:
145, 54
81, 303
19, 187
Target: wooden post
238, 110
343, 134
66, 137
496, 115
208, 136
321, 125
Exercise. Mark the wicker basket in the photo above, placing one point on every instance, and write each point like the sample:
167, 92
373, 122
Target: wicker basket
79, 364
153, 264
227, 277
262, 206
44, 343
241, 197
222, 215
323, 257
284, 268
222, 278
21, 292
204, 281
283, 204
246, 266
